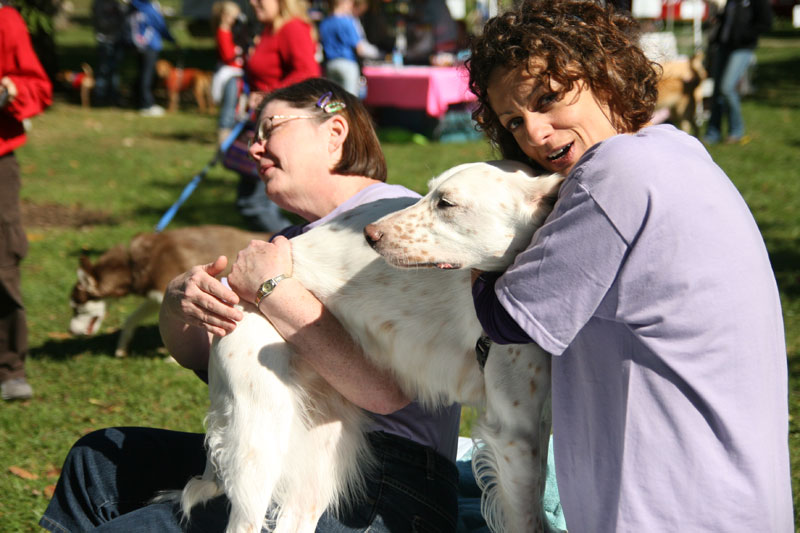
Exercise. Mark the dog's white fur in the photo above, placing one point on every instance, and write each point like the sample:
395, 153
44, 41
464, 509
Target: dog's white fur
144, 267
280, 438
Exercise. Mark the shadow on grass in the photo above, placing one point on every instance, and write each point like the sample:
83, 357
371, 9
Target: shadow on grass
146, 342
200, 137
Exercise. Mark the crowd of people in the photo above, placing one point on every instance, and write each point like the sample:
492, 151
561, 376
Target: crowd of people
649, 284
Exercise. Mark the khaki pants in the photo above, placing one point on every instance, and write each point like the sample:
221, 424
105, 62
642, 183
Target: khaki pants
13, 247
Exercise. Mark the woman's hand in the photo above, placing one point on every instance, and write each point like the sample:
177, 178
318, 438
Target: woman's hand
259, 262
198, 299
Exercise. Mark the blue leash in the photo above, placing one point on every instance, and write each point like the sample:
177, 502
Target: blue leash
192, 185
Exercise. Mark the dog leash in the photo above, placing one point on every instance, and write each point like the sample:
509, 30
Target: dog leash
192, 185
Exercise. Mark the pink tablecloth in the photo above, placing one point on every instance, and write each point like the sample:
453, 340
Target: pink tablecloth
430, 88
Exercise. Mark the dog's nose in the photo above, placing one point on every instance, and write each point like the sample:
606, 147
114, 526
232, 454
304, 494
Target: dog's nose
372, 234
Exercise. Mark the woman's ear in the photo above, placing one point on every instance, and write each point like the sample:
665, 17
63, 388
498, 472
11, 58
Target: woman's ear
339, 129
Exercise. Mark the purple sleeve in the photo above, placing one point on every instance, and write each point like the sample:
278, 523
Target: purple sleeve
494, 319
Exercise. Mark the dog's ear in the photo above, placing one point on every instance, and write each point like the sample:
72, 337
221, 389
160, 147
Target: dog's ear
86, 280
85, 263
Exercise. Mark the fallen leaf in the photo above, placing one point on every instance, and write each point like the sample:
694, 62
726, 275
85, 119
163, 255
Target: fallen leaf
53, 472
21, 472
59, 335
49, 490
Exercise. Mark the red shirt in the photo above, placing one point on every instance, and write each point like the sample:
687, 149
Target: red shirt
19, 62
283, 58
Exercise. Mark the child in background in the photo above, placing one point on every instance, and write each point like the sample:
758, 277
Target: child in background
226, 84
343, 44
147, 32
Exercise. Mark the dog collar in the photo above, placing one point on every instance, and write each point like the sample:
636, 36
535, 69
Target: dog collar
482, 349
267, 287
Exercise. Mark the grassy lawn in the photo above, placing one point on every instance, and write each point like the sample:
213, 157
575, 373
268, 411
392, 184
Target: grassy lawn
94, 178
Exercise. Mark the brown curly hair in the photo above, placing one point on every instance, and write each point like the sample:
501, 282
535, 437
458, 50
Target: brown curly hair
576, 41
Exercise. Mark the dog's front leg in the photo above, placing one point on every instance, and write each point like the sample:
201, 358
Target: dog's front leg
149, 307
512, 464
249, 423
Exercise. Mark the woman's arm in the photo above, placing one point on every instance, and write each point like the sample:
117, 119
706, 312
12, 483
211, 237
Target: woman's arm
298, 50
226, 48
197, 306
314, 333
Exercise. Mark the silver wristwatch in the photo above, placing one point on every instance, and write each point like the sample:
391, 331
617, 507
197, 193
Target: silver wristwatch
267, 287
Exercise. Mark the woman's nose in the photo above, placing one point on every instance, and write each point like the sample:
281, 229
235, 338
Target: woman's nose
256, 149
538, 130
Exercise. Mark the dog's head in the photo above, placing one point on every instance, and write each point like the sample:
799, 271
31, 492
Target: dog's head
477, 215
88, 307
163, 68
109, 277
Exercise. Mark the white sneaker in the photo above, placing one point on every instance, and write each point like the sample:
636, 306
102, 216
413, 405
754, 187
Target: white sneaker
152, 111
16, 389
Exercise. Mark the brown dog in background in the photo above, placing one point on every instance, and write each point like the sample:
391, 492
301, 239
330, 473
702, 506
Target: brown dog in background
179, 80
82, 80
680, 90
144, 267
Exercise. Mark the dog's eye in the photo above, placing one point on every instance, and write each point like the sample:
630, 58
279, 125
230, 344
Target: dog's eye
444, 203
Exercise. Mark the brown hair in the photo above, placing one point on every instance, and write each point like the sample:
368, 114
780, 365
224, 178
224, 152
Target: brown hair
568, 41
361, 151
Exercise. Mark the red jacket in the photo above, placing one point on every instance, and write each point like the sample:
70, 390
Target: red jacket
19, 62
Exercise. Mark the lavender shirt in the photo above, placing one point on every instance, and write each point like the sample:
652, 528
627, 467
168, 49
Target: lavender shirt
438, 429
651, 285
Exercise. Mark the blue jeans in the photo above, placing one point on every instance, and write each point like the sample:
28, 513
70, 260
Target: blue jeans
728, 68
346, 73
227, 106
147, 70
259, 212
107, 76
110, 475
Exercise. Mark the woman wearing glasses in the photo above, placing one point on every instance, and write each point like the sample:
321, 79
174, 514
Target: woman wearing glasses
318, 156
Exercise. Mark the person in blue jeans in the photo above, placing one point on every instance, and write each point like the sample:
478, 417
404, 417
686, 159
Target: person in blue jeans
319, 156
733, 43
108, 19
147, 31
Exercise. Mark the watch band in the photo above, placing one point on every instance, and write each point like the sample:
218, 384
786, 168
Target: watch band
267, 287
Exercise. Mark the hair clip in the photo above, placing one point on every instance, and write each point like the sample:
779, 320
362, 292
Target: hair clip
329, 106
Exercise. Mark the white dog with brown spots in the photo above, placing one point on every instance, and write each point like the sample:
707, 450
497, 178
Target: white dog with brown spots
280, 438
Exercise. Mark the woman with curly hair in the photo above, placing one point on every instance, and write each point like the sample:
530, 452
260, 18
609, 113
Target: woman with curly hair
649, 284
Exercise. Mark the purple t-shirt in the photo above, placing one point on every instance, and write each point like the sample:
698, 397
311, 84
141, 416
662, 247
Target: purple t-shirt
437, 429
651, 285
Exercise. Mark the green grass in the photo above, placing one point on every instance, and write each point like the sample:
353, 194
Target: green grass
120, 172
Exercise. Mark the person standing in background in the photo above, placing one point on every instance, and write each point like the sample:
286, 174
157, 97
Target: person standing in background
733, 42
25, 90
226, 86
284, 54
343, 45
148, 29
108, 20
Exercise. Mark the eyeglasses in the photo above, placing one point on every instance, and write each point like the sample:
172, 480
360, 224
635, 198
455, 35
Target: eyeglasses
267, 124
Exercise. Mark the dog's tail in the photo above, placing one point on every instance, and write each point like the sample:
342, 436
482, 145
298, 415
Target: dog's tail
199, 489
